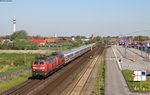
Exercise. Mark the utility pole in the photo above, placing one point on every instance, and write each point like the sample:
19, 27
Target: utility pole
145, 49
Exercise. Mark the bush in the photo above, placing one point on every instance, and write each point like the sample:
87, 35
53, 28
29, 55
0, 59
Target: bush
25, 45
6, 46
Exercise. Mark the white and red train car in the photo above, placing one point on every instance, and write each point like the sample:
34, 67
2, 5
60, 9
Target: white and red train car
46, 65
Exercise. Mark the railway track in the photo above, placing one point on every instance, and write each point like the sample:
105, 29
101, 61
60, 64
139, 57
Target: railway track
80, 84
57, 82
57, 86
78, 87
22, 88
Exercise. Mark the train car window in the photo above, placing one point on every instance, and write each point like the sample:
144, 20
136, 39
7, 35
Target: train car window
47, 62
41, 63
35, 63
71, 54
50, 60
54, 59
67, 56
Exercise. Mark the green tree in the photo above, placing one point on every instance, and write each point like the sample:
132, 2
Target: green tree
77, 43
89, 42
97, 39
79, 37
36, 37
22, 34
140, 38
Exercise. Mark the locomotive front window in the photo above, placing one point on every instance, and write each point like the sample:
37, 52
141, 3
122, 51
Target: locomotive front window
41, 63
35, 62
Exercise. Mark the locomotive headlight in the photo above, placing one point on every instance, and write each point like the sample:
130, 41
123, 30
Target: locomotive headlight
42, 68
35, 68
38, 67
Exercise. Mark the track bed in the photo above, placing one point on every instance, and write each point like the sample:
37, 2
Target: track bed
57, 82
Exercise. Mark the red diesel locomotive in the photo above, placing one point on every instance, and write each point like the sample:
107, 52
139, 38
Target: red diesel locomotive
43, 66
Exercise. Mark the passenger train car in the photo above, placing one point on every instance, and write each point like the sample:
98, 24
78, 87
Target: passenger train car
46, 65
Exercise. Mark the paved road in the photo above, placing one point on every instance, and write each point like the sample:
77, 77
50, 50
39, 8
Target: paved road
138, 52
115, 83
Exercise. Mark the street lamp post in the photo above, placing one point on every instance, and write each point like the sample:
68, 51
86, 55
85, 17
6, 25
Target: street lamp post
145, 50
125, 49
125, 52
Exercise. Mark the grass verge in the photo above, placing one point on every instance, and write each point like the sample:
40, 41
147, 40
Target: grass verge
99, 81
12, 68
10, 82
136, 86
1, 66
15, 61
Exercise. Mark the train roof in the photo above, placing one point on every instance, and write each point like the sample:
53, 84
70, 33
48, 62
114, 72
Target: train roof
50, 56
76, 49
65, 53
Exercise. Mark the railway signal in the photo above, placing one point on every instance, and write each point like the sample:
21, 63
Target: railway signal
102, 73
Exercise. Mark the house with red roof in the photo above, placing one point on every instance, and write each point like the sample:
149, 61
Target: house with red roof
39, 41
